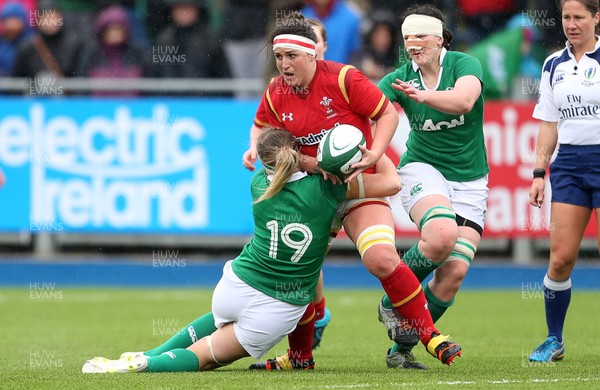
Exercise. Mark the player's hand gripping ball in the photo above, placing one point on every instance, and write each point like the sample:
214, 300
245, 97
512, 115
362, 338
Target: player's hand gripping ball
338, 150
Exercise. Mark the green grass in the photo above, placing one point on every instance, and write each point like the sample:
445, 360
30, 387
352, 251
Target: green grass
47, 337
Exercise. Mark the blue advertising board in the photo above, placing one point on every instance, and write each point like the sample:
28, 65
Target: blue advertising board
131, 166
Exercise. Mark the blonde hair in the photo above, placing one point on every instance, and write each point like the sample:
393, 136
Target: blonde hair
278, 152
318, 24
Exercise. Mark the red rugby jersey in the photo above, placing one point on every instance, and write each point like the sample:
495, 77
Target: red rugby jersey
338, 94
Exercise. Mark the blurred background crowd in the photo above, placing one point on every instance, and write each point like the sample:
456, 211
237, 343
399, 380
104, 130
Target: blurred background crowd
225, 39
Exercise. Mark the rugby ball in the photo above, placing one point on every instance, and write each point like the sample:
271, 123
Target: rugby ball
338, 150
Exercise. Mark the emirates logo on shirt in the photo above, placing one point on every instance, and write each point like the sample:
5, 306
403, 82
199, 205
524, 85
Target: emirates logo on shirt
326, 102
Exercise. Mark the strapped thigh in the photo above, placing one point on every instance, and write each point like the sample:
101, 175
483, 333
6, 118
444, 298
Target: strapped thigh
210, 348
375, 235
436, 212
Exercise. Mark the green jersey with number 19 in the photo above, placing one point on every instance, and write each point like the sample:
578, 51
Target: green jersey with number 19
291, 234
453, 144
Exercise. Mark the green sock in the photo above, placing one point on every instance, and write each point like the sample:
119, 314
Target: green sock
401, 348
177, 360
199, 328
420, 265
387, 302
437, 307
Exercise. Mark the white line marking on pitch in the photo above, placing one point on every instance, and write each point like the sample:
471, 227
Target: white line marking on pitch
452, 383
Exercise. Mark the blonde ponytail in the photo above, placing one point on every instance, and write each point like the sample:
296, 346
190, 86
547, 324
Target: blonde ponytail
277, 150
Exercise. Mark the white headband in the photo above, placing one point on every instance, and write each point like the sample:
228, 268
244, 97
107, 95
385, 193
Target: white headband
416, 24
294, 42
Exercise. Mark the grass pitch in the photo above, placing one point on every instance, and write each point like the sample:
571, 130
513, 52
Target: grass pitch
47, 334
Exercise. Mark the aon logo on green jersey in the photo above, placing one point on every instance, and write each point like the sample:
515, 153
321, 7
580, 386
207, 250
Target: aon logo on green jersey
428, 125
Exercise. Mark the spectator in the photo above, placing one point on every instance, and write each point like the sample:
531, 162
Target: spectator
188, 47
157, 18
244, 34
379, 54
51, 51
114, 55
15, 30
157, 15
137, 13
342, 23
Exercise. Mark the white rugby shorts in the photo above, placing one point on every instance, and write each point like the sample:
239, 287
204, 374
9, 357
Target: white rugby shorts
259, 321
468, 199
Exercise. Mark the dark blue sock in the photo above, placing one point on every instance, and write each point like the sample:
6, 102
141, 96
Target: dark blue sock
557, 296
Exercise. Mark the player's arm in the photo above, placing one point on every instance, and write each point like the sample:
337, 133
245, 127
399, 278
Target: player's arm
384, 132
265, 116
250, 155
309, 164
457, 101
546, 143
384, 182
385, 127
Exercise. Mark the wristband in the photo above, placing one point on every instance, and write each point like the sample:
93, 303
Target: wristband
539, 172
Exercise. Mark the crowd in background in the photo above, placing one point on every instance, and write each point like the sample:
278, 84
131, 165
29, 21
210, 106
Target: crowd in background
226, 38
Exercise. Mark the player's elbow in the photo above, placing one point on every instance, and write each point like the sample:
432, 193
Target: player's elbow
393, 186
464, 106
462, 110
465, 100
397, 188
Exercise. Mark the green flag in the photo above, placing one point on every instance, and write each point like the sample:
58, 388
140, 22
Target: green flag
500, 57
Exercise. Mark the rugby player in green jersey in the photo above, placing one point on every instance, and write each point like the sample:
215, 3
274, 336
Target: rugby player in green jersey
444, 171
267, 290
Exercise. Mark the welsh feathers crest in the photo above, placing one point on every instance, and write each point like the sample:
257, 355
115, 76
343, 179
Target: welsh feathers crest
326, 102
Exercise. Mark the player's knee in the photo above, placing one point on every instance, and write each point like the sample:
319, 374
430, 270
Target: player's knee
376, 245
381, 260
452, 274
449, 283
561, 266
439, 246
446, 289
455, 278
438, 233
